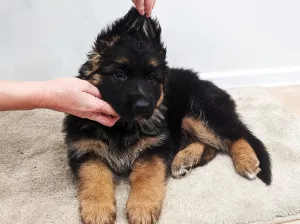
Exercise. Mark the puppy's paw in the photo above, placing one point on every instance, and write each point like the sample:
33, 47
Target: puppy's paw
95, 212
183, 162
179, 170
143, 213
244, 159
247, 165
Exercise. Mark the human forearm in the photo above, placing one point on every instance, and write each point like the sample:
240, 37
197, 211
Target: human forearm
20, 95
68, 95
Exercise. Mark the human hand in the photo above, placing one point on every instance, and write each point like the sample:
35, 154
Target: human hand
77, 97
144, 6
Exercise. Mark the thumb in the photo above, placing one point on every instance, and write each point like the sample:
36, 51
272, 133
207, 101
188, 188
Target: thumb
106, 120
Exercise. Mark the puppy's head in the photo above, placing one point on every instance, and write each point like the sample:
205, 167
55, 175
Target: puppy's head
128, 65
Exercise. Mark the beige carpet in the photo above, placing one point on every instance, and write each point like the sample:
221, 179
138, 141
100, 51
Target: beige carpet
36, 184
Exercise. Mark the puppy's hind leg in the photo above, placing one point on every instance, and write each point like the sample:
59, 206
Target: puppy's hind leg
249, 154
195, 154
244, 159
259, 150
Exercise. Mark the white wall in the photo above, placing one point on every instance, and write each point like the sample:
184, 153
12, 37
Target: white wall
47, 39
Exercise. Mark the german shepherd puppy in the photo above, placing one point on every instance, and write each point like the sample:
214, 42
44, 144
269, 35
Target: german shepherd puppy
171, 121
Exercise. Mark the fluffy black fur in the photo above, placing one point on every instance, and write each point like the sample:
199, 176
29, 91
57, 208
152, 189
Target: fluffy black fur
130, 59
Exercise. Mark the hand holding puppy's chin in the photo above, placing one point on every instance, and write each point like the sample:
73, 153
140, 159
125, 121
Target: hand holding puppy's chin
77, 97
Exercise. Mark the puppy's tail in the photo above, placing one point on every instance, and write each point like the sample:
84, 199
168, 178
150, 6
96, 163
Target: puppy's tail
263, 156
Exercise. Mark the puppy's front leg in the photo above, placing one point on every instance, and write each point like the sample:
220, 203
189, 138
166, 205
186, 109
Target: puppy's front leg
147, 191
96, 193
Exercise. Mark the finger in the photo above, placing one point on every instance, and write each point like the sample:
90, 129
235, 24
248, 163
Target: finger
139, 4
91, 89
148, 7
95, 104
106, 120
154, 1
105, 108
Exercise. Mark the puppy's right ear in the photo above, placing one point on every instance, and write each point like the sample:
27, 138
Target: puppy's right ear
109, 36
107, 39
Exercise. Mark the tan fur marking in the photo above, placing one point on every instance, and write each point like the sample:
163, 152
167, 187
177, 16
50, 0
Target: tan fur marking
161, 98
122, 60
200, 130
95, 59
153, 62
90, 145
147, 142
186, 159
147, 191
96, 193
87, 72
96, 79
244, 159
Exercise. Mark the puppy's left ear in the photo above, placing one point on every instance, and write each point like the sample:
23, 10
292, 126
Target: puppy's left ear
147, 26
152, 30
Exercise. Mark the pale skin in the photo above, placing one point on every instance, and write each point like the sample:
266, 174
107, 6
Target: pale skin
69, 95
144, 6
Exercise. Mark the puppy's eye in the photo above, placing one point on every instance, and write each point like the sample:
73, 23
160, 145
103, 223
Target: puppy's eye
119, 74
151, 76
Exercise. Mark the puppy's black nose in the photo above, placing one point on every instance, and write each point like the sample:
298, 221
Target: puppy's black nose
142, 108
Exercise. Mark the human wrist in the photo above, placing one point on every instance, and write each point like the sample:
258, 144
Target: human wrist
37, 94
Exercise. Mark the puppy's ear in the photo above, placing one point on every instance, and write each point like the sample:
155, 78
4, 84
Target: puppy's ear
146, 26
132, 22
149, 28
109, 36
152, 30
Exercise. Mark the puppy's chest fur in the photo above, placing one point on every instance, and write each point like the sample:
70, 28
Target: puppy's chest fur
123, 151
119, 149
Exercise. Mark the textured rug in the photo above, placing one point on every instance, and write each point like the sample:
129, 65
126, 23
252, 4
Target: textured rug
36, 185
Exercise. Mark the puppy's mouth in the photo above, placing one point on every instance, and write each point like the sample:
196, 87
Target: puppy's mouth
136, 118
140, 119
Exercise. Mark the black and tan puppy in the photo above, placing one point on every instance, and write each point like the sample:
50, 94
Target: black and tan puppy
170, 122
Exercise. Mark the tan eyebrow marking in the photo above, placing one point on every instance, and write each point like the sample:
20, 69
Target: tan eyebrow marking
153, 62
122, 60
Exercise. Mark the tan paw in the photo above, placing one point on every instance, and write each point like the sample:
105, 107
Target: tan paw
93, 212
244, 159
247, 165
143, 213
186, 159
181, 168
